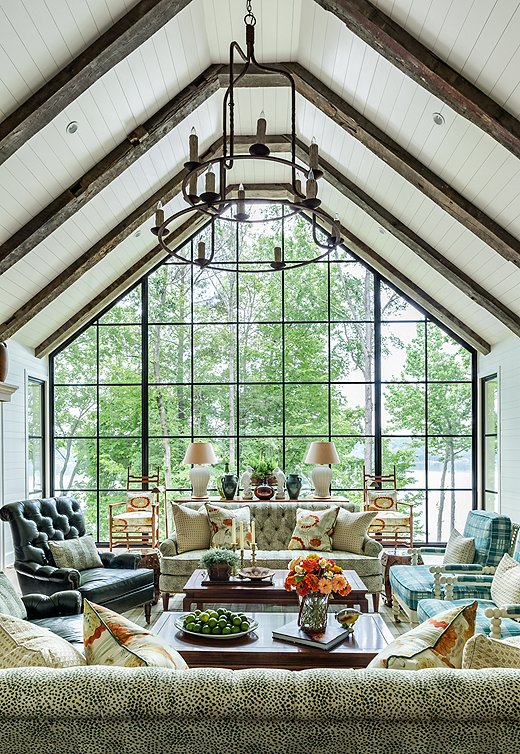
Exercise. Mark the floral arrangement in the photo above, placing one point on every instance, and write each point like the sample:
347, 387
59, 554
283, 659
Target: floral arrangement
315, 574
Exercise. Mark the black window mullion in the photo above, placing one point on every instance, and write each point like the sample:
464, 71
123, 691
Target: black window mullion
145, 456
378, 429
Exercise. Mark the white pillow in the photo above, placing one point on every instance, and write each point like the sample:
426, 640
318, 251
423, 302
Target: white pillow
505, 587
191, 528
483, 652
459, 549
24, 644
221, 523
350, 530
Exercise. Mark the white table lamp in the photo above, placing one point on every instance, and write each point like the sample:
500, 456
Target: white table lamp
200, 454
321, 453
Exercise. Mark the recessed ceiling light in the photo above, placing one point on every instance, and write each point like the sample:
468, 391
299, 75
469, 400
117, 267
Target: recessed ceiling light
137, 233
382, 230
72, 127
438, 119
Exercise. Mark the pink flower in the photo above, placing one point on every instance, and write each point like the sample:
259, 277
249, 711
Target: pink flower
325, 586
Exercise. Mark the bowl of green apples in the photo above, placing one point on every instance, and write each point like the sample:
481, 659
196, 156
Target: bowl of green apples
216, 624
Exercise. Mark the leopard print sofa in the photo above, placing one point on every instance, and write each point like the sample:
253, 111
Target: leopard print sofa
100, 710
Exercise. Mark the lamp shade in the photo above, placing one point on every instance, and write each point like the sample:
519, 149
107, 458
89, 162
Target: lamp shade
321, 452
200, 453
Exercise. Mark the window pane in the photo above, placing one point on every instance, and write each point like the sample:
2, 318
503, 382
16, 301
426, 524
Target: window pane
214, 347
169, 353
306, 352
449, 409
408, 456
351, 292
120, 410
167, 453
35, 467
75, 464
449, 463
353, 452
253, 447
115, 456
120, 354
214, 409
214, 296
260, 298
77, 362
260, 355
352, 409
491, 468
306, 409
447, 360
394, 307
75, 410
403, 410
34, 408
169, 294
306, 293
169, 410
447, 510
491, 406
352, 352
403, 353
261, 410
128, 310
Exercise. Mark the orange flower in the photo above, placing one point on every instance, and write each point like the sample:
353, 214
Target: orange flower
309, 564
338, 582
302, 589
346, 591
312, 582
325, 586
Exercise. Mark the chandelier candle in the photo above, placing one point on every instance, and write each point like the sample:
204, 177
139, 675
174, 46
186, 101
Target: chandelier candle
159, 215
311, 187
210, 180
194, 158
261, 128
241, 213
313, 155
201, 253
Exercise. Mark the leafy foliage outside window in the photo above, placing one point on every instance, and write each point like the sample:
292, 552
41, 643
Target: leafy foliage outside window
263, 364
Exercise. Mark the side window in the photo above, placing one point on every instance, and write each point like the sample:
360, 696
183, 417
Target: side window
35, 438
490, 446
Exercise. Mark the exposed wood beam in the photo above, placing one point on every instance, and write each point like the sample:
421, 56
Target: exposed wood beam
110, 167
409, 288
119, 286
418, 62
427, 253
405, 164
125, 36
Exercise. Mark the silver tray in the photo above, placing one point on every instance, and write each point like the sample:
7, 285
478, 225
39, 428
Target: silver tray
179, 623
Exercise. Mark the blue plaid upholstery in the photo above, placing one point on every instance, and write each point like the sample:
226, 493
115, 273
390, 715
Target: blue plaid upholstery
414, 583
429, 608
492, 535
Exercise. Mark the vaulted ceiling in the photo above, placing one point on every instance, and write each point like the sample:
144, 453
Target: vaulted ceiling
435, 208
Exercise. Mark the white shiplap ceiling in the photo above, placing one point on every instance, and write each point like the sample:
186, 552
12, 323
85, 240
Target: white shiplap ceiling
474, 36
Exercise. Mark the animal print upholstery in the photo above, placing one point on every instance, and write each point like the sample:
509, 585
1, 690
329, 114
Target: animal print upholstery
100, 710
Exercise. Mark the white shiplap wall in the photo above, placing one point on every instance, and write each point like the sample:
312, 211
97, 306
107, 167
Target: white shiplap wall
504, 360
22, 364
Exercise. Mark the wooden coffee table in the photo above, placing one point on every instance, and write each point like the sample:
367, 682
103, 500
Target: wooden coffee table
243, 592
259, 650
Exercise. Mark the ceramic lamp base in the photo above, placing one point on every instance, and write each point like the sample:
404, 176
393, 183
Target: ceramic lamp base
199, 478
321, 479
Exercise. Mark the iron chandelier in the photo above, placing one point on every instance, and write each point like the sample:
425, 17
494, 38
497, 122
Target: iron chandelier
214, 203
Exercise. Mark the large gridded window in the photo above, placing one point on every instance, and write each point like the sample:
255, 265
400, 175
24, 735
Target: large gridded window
490, 456
35, 464
266, 363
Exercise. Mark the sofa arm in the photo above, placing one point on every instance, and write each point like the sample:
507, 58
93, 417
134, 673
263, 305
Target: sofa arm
495, 615
371, 548
69, 577
168, 547
59, 603
122, 560
450, 574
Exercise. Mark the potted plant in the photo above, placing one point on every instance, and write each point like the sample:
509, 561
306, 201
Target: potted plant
262, 467
219, 563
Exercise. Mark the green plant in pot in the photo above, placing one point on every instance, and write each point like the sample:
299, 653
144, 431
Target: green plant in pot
262, 467
219, 563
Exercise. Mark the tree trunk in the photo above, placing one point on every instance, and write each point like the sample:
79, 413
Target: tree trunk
452, 473
162, 408
442, 497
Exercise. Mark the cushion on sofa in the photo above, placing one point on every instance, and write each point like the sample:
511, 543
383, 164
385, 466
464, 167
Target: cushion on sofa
24, 644
459, 549
505, 586
111, 639
79, 553
111, 583
10, 602
221, 523
482, 652
314, 529
350, 530
439, 642
191, 528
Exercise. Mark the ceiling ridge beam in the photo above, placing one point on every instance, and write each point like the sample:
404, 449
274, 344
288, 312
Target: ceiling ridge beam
122, 38
434, 258
359, 248
110, 167
410, 56
109, 242
396, 157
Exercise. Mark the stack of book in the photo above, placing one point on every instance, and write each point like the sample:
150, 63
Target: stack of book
334, 634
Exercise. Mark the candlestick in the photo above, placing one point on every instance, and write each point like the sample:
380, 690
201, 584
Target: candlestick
241, 558
242, 535
233, 530
253, 555
194, 145
298, 186
201, 250
277, 254
313, 154
253, 540
159, 215
210, 180
311, 187
261, 127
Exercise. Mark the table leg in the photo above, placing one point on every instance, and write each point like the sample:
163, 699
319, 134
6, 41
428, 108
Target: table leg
186, 604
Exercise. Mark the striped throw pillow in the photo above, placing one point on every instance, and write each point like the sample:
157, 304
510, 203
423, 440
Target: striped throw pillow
79, 553
505, 587
459, 549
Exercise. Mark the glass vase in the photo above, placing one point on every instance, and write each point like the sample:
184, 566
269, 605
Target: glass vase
313, 613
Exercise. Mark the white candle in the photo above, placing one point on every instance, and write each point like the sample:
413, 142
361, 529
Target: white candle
233, 531
253, 540
241, 535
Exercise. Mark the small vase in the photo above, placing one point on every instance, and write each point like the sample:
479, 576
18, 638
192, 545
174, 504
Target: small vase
313, 613
4, 361
229, 484
293, 484
264, 491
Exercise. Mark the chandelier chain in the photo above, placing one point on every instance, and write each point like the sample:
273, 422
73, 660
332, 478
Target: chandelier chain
249, 18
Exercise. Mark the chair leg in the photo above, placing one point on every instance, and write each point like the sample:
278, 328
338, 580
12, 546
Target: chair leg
165, 600
395, 609
147, 611
375, 601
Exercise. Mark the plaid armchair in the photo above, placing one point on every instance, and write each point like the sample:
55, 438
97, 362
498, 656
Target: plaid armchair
492, 533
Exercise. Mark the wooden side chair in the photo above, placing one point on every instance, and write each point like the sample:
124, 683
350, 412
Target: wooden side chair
138, 525
390, 526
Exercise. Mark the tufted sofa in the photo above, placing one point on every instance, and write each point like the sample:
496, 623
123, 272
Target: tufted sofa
275, 522
102, 710
119, 584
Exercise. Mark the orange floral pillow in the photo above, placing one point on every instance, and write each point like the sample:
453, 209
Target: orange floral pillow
381, 500
437, 643
139, 501
314, 529
221, 525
